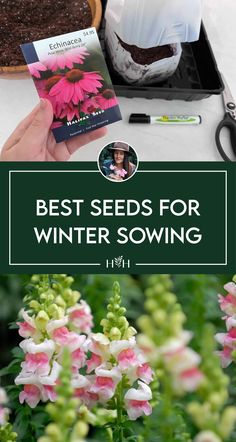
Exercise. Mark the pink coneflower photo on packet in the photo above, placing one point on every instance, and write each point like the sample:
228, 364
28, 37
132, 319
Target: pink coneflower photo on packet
70, 71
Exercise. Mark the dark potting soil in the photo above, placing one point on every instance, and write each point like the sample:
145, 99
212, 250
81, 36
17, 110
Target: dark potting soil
25, 21
147, 56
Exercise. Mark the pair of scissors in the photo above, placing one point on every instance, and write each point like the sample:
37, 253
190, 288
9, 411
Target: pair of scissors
229, 122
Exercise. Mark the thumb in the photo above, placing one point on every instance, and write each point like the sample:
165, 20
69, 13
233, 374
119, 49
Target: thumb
36, 134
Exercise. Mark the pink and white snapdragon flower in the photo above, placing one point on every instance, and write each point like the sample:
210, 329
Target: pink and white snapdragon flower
111, 362
43, 352
93, 362
81, 318
4, 412
27, 328
106, 381
182, 363
31, 394
145, 373
125, 352
228, 303
81, 385
137, 401
207, 436
188, 380
98, 346
131, 360
228, 340
41, 368
103, 367
38, 387
65, 338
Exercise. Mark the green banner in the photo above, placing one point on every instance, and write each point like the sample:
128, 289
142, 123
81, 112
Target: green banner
67, 217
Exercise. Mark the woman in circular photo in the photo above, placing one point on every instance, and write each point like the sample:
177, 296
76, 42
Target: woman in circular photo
118, 161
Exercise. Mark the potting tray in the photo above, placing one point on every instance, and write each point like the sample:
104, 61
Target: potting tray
197, 76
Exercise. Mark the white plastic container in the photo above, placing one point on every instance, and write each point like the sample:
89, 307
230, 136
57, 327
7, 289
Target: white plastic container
148, 24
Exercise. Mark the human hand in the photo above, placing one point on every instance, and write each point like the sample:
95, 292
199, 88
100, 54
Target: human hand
115, 177
33, 140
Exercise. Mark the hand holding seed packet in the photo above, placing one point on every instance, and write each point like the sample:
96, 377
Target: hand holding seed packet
70, 71
32, 140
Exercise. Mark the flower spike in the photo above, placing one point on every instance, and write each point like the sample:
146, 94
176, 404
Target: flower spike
116, 326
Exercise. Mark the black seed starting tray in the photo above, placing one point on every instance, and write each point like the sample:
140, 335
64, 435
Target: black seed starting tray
196, 77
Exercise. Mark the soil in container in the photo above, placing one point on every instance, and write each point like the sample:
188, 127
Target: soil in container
147, 56
24, 21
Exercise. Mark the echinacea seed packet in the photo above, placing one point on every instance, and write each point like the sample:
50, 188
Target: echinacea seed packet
70, 71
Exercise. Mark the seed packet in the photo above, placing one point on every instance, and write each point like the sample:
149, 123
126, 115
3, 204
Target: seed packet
70, 71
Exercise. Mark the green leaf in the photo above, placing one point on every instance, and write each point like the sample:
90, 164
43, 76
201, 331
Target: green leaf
13, 326
18, 353
12, 368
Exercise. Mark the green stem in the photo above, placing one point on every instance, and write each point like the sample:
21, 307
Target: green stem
109, 434
119, 405
167, 399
